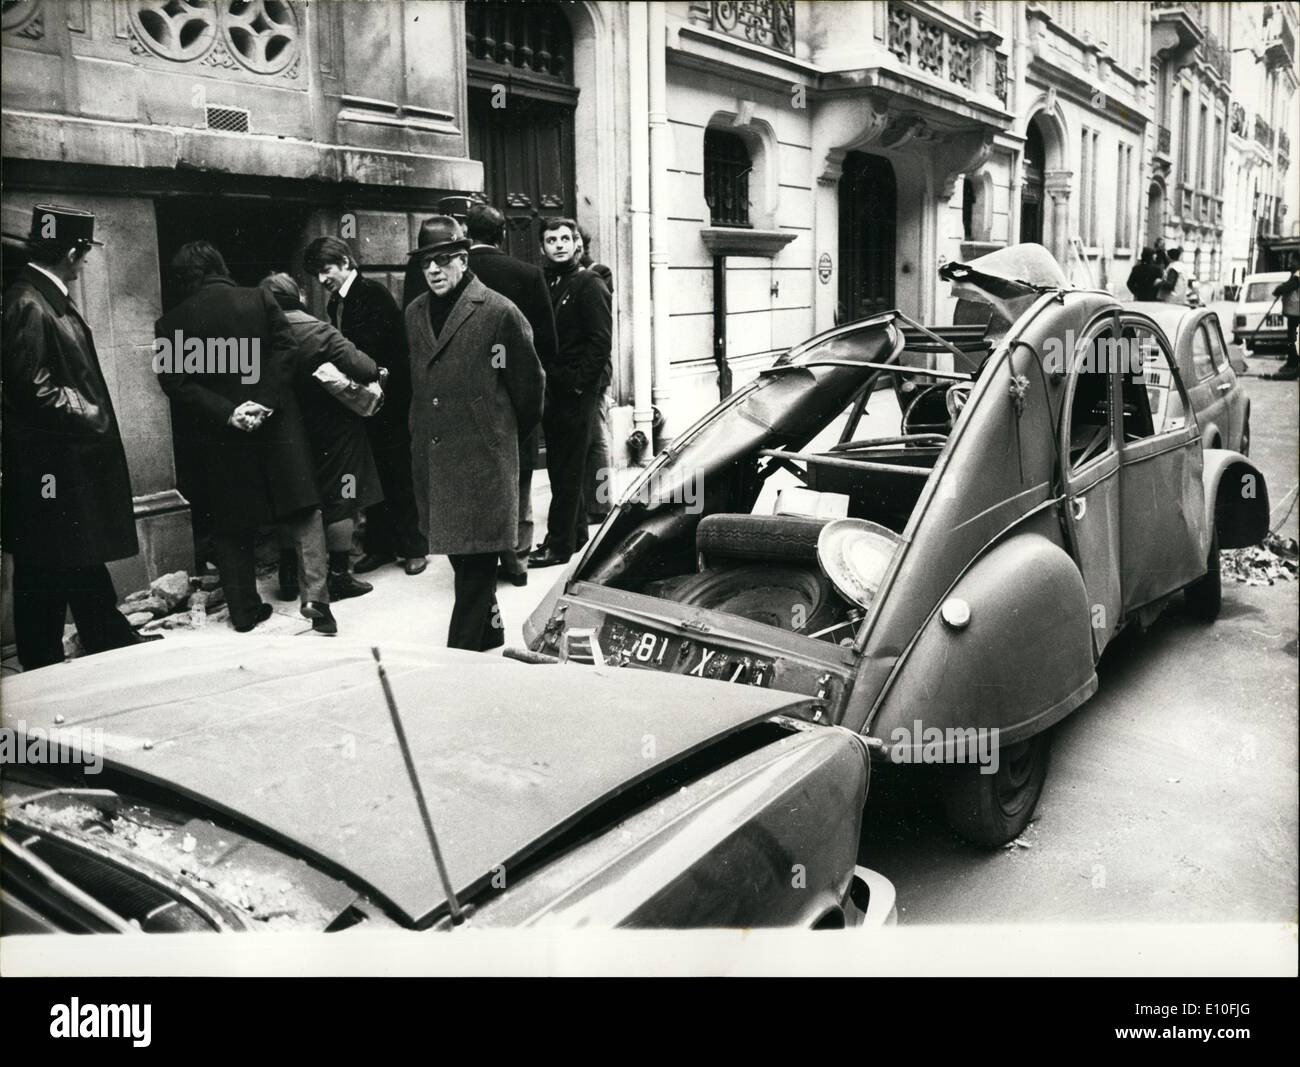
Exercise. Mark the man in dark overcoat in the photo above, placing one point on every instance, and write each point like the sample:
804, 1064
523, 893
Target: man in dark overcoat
67, 491
231, 386
477, 389
364, 311
524, 286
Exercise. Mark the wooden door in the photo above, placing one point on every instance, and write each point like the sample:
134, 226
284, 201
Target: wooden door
526, 149
868, 205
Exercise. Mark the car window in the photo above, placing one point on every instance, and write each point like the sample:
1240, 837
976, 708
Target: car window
1218, 352
1258, 291
1090, 407
1153, 400
1202, 363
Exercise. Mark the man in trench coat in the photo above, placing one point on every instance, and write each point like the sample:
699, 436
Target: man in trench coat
243, 427
477, 388
67, 491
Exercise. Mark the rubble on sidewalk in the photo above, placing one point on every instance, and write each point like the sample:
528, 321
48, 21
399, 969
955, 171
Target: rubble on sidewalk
1273, 559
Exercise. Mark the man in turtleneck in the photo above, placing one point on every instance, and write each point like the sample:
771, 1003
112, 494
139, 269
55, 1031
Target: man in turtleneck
584, 331
477, 388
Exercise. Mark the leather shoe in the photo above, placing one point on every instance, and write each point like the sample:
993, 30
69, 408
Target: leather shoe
343, 585
416, 565
322, 619
544, 557
516, 579
372, 561
263, 613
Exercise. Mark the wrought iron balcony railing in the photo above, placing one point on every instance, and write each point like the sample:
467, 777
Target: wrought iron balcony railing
1263, 132
766, 22
937, 49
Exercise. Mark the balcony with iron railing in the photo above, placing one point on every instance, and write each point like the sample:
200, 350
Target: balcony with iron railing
966, 57
1217, 57
769, 23
1280, 49
1176, 28
1263, 132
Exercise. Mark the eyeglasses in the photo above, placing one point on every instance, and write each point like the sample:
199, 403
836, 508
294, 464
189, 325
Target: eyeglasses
442, 259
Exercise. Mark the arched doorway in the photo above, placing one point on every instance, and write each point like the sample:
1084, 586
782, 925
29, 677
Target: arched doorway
1031, 184
521, 114
868, 221
1155, 213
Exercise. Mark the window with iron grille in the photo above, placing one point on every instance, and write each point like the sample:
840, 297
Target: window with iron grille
531, 38
726, 178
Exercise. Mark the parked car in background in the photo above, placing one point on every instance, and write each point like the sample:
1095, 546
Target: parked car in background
1251, 326
260, 786
945, 581
1217, 395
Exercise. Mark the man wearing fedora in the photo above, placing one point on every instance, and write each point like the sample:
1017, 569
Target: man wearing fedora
477, 389
67, 490
364, 311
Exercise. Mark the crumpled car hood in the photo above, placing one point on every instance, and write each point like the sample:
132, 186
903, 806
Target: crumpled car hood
294, 737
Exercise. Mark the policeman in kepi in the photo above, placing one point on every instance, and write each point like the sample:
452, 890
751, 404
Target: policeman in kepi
67, 491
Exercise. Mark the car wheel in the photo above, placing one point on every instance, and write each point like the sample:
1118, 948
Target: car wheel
1204, 596
797, 599
991, 809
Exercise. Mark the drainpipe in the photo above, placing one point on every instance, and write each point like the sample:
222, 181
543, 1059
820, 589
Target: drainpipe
660, 154
639, 210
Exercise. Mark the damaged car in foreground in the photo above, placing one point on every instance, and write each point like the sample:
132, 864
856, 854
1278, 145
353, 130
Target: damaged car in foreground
221, 786
943, 583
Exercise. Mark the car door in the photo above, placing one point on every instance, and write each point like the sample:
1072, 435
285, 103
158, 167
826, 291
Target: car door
1091, 463
1163, 537
1227, 386
1204, 387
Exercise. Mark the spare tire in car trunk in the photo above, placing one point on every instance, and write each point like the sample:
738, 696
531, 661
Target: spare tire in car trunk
797, 599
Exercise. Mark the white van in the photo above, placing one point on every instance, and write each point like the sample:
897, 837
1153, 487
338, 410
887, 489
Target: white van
1254, 300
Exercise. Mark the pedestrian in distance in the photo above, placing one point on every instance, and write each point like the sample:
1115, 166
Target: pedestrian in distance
364, 311
524, 286
1289, 293
66, 508
241, 423
1172, 286
346, 478
598, 478
1143, 277
477, 388
584, 328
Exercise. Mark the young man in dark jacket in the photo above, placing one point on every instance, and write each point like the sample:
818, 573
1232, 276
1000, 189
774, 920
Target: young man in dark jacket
67, 491
574, 383
367, 315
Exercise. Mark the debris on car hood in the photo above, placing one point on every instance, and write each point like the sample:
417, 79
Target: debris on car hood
1272, 560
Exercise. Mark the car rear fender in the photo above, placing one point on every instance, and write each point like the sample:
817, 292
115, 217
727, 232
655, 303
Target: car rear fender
1236, 498
1021, 662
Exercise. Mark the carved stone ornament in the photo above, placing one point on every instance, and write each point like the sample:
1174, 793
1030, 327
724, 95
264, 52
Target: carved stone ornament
258, 36
24, 18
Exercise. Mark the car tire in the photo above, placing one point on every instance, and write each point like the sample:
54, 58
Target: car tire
1204, 597
989, 810
796, 599
776, 538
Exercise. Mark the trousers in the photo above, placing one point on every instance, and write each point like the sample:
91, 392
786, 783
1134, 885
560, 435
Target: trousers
567, 423
475, 618
516, 562
42, 597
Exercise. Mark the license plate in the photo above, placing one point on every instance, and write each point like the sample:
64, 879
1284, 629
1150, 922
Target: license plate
638, 647
1273, 320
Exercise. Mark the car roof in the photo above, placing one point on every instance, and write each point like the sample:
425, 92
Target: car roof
295, 738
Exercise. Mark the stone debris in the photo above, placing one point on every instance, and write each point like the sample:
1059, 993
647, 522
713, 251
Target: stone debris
174, 588
1272, 560
156, 606
138, 619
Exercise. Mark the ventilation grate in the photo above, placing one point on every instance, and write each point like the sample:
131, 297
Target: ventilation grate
228, 119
